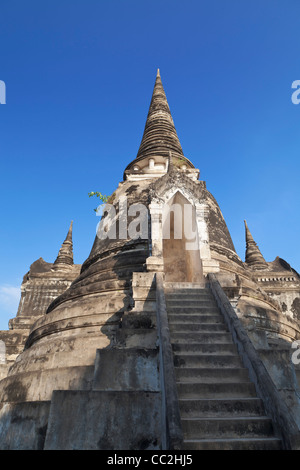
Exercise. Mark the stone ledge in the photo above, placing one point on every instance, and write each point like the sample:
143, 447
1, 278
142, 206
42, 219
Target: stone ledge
104, 420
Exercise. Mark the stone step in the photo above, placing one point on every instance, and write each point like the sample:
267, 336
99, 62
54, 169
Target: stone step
221, 407
190, 298
201, 428
189, 294
265, 443
185, 291
190, 310
185, 286
216, 390
195, 318
194, 327
208, 337
191, 302
207, 360
211, 375
190, 305
204, 348
197, 289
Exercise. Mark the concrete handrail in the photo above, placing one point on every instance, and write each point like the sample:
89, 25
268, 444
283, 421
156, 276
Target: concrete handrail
284, 423
172, 430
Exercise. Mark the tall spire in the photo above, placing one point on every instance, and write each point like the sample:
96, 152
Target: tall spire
65, 255
253, 257
160, 136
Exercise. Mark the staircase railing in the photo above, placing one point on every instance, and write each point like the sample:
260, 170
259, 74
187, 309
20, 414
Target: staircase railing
284, 423
172, 431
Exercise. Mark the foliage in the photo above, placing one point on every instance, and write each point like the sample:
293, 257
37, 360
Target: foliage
103, 198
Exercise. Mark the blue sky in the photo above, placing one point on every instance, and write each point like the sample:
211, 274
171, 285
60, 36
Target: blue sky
79, 76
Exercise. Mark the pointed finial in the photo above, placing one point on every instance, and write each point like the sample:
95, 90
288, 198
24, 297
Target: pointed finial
248, 233
158, 73
69, 235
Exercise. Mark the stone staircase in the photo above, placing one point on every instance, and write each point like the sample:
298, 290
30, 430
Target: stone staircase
218, 403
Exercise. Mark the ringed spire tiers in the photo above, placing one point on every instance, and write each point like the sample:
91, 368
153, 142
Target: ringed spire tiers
160, 139
65, 255
253, 257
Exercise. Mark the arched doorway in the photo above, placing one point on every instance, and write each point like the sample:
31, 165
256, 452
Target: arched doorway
181, 253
